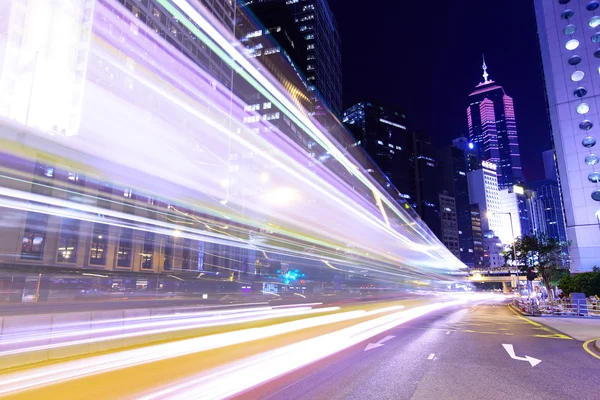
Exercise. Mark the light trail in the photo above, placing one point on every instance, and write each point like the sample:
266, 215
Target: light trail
61, 336
69, 370
180, 136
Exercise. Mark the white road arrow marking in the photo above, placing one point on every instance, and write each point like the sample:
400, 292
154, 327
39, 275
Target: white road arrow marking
379, 343
511, 352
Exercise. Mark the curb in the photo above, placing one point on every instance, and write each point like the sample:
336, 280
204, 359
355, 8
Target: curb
517, 309
597, 345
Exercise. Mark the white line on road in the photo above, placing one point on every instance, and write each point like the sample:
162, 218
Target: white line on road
431, 356
448, 332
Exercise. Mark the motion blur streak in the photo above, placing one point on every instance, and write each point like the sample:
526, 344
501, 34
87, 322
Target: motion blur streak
46, 375
150, 328
133, 112
243, 375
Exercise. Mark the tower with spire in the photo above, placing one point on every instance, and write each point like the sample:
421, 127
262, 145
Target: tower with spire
493, 129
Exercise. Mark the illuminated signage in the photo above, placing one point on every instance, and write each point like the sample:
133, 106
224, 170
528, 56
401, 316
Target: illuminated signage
385, 121
518, 189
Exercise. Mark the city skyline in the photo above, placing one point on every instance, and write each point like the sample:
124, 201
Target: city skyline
431, 75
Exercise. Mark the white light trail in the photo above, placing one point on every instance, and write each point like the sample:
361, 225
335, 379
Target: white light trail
243, 375
69, 370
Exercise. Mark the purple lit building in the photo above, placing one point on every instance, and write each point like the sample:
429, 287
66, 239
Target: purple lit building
493, 130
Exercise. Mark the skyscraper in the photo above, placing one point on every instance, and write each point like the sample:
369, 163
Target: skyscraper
492, 129
569, 39
483, 190
381, 131
323, 65
453, 178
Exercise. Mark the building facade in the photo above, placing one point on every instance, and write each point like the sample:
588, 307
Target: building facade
477, 233
493, 131
483, 190
382, 131
448, 232
321, 39
514, 214
549, 204
569, 37
452, 169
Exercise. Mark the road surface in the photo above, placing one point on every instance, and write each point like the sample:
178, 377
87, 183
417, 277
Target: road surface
451, 354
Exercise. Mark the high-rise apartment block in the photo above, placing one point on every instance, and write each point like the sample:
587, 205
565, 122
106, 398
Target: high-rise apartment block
493, 131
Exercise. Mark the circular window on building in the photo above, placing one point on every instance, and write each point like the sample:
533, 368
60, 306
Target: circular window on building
592, 159
585, 125
596, 195
569, 29
564, 1
574, 60
594, 177
591, 6
594, 21
596, 37
580, 92
572, 44
577, 76
588, 142
567, 14
583, 108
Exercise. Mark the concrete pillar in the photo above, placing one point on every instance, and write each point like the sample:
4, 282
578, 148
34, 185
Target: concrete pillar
505, 287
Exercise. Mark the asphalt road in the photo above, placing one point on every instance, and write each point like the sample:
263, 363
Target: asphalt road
455, 353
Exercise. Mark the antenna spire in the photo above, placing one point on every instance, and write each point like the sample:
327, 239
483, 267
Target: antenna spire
485, 73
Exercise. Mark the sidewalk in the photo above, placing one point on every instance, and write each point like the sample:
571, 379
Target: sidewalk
578, 328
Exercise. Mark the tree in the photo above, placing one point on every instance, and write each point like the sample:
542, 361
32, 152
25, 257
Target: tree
587, 282
547, 255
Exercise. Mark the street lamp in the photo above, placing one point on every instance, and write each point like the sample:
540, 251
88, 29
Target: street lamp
512, 232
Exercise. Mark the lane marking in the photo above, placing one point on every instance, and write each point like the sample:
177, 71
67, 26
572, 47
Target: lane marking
511, 352
586, 348
431, 356
555, 335
448, 332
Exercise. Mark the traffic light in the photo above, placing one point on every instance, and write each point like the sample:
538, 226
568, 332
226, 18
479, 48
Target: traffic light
531, 275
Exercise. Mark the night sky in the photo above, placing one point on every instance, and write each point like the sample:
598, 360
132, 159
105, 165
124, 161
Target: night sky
425, 57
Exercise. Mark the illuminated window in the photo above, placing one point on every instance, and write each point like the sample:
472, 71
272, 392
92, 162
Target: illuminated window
380, 142
583, 108
577, 76
312, 46
148, 251
573, 44
99, 244
594, 21
67, 245
125, 248
266, 105
596, 37
569, 29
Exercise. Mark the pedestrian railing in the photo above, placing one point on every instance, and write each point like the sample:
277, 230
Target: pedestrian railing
534, 306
